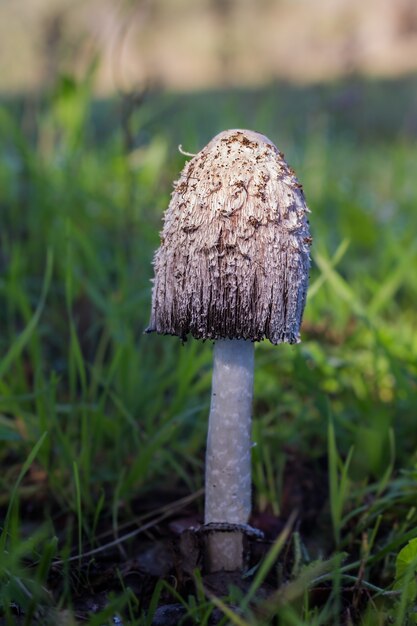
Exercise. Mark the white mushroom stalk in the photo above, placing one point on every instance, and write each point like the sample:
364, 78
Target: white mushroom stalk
232, 267
228, 455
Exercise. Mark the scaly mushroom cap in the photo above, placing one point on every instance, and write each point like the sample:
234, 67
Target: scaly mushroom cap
234, 255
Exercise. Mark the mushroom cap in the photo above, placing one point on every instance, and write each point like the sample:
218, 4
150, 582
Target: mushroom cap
234, 255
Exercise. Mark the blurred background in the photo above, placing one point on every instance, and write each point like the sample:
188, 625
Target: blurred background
186, 45
95, 97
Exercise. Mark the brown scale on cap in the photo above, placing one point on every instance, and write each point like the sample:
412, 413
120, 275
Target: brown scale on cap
234, 255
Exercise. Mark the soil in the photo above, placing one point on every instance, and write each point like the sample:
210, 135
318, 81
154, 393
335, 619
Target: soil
167, 546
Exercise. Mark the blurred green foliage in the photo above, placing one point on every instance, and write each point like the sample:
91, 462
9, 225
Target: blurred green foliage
83, 185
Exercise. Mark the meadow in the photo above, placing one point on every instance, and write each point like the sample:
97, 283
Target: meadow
102, 428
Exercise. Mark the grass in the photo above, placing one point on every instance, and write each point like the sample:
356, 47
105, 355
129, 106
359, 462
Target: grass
102, 428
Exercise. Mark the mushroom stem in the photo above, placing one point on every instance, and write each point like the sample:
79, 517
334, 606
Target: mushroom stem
228, 456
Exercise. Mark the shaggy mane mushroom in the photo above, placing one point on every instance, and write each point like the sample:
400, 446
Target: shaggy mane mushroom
232, 267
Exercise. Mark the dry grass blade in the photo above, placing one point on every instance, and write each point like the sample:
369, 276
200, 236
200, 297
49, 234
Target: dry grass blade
165, 512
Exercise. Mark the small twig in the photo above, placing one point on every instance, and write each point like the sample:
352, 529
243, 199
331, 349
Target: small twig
20, 584
116, 542
363, 583
191, 154
171, 506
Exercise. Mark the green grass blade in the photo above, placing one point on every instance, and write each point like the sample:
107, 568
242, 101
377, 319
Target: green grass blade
16, 349
337, 257
392, 282
79, 508
339, 285
26, 465
269, 560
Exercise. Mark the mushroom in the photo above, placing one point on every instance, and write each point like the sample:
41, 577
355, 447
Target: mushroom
232, 267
